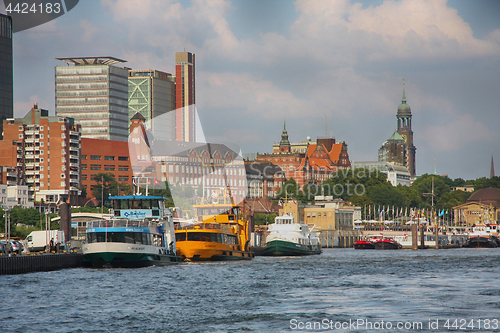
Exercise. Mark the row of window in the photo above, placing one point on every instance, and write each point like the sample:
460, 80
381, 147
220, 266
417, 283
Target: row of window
107, 158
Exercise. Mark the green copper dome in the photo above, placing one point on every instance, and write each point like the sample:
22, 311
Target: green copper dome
403, 108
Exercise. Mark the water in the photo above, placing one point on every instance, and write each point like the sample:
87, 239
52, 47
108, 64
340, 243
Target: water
264, 295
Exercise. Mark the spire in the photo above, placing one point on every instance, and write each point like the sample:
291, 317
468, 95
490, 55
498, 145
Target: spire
492, 170
404, 97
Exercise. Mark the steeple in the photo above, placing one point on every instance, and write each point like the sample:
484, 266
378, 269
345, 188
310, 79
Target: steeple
284, 143
404, 97
492, 169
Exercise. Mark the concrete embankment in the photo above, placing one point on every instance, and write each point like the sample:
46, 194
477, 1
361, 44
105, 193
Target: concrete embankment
39, 263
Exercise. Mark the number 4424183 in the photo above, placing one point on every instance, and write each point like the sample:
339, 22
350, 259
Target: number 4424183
472, 324
25, 8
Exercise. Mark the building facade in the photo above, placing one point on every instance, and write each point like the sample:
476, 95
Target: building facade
152, 94
104, 156
396, 173
399, 147
185, 97
51, 146
319, 161
6, 73
94, 93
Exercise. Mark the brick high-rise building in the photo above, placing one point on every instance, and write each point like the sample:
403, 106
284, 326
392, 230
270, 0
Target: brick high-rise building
185, 117
6, 75
51, 146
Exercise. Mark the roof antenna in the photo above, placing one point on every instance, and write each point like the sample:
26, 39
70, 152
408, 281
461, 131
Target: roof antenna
326, 128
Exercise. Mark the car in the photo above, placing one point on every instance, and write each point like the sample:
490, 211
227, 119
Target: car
2, 243
16, 246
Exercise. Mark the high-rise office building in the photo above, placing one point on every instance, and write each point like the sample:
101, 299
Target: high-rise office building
6, 76
185, 118
152, 94
95, 93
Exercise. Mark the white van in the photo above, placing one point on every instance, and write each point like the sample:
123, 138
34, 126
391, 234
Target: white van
39, 240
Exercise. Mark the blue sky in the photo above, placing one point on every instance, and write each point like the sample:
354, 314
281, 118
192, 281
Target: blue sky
259, 62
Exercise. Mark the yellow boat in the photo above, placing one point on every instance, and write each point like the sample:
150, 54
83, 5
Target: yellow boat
219, 232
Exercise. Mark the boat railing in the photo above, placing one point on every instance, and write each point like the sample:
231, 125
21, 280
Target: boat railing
191, 226
121, 223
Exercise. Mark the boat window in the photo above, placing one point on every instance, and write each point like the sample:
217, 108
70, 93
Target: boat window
122, 237
123, 204
180, 237
155, 203
136, 204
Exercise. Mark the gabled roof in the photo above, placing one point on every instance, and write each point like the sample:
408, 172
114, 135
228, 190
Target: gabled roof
329, 160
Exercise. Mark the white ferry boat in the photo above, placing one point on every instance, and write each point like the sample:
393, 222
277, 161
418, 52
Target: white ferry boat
289, 238
140, 234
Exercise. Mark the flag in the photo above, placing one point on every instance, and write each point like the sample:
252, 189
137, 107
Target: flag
294, 202
280, 203
156, 182
149, 181
441, 213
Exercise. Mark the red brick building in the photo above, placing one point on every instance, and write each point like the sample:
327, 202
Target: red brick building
319, 162
104, 156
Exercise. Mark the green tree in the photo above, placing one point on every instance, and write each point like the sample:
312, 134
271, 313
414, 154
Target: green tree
105, 185
289, 189
263, 219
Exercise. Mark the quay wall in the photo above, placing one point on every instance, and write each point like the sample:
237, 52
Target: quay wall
39, 263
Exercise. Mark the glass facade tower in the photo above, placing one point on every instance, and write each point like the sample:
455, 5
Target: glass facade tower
94, 93
6, 76
152, 94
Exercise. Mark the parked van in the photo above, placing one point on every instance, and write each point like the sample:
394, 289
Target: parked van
40, 240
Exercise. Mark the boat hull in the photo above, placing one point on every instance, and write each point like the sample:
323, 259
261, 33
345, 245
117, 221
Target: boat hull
286, 248
364, 245
387, 245
481, 242
124, 255
210, 251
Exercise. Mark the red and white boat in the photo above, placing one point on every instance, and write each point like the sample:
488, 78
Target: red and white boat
377, 242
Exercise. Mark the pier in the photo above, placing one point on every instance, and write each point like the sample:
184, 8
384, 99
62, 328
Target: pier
20, 264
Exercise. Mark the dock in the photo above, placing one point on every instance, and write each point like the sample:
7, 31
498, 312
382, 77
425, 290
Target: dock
20, 264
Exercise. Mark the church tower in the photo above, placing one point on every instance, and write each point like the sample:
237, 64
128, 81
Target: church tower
404, 129
285, 146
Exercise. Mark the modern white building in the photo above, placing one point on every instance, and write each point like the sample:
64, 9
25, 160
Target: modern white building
95, 93
15, 195
396, 173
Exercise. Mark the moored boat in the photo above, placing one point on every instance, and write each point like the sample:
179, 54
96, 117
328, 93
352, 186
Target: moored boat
484, 235
289, 238
377, 242
140, 234
220, 232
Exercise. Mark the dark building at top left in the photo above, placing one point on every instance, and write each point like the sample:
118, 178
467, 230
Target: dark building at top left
6, 76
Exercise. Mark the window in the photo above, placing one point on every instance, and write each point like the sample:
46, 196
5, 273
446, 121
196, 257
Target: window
109, 158
20, 136
95, 167
21, 128
41, 136
121, 168
84, 177
84, 157
62, 184
122, 158
95, 157
84, 166
41, 144
123, 178
63, 175
41, 152
109, 167
41, 128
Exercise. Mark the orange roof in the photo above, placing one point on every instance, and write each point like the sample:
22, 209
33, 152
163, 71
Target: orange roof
326, 163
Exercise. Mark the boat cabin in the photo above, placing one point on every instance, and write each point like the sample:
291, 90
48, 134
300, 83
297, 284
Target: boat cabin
139, 207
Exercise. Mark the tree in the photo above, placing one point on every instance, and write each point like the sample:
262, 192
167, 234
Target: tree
290, 189
263, 219
105, 186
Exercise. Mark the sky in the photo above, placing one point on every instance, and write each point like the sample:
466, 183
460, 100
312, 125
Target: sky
327, 67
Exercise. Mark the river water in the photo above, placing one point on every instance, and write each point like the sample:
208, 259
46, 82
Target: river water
341, 290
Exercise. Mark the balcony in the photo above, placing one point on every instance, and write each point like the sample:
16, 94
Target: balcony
74, 173
11, 182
